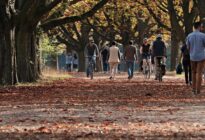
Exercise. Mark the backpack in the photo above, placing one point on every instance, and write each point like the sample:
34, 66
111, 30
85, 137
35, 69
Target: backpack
179, 69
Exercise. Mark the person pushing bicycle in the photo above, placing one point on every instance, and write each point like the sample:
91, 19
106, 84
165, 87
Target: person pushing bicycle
91, 52
159, 54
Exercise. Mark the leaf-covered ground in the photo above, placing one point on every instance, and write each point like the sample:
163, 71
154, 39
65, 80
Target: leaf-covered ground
78, 108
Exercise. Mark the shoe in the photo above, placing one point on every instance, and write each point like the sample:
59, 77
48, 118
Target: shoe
190, 83
194, 91
198, 92
110, 77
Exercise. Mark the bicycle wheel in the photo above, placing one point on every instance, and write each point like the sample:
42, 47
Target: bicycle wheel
91, 71
148, 72
160, 75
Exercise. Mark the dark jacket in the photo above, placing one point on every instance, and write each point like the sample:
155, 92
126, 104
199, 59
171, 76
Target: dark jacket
91, 50
105, 54
158, 48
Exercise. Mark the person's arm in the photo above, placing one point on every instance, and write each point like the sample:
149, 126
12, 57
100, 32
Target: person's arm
125, 53
119, 54
188, 43
165, 50
141, 49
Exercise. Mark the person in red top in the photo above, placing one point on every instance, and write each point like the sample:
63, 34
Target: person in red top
130, 56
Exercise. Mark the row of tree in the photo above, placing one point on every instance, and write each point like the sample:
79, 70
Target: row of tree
19, 42
135, 20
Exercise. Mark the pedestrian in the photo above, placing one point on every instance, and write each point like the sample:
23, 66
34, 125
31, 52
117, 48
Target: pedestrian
114, 59
75, 62
105, 55
185, 57
130, 56
196, 45
69, 62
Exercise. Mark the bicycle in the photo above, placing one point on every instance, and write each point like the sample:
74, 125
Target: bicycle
147, 69
160, 68
91, 65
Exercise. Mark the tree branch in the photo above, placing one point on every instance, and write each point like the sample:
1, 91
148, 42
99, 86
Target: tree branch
64, 20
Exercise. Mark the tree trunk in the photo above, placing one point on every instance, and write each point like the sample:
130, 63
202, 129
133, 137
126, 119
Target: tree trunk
7, 46
81, 61
201, 4
27, 60
174, 51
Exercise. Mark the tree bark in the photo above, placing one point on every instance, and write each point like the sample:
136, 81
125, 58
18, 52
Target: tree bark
81, 61
201, 6
7, 45
174, 51
27, 60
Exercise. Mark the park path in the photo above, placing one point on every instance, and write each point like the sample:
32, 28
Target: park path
79, 108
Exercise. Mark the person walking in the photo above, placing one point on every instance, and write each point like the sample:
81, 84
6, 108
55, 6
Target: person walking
130, 56
104, 54
196, 45
114, 59
69, 62
185, 57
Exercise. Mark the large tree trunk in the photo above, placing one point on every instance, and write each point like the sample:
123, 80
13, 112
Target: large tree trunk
174, 51
201, 4
27, 58
7, 46
81, 61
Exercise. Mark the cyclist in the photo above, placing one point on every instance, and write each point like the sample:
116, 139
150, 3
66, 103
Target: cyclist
159, 54
145, 51
91, 52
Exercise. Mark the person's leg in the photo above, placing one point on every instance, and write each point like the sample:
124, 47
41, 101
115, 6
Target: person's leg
156, 62
194, 67
115, 69
144, 63
111, 69
190, 73
128, 68
199, 70
186, 70
132, 68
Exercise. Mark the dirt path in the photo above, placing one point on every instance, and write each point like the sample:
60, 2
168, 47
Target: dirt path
79, 108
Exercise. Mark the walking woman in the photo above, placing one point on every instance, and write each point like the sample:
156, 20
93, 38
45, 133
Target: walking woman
186, 64
114, 59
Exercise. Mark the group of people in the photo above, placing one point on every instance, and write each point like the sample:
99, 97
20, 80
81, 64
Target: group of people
112, 55
193, 54
71, 61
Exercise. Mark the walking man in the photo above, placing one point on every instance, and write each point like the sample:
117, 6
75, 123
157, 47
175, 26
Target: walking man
130, 56
196, 44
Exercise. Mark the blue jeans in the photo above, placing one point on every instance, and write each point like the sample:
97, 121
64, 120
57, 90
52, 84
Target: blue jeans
130, 68
105, 66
